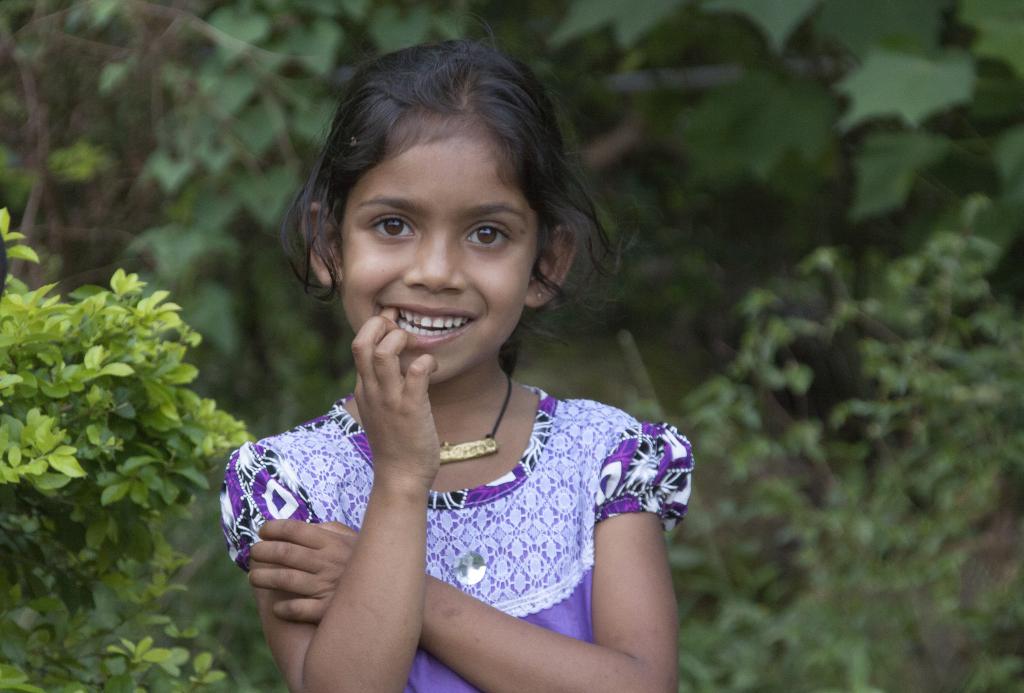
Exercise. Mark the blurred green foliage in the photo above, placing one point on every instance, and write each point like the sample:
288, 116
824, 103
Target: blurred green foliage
856, 525
101, 448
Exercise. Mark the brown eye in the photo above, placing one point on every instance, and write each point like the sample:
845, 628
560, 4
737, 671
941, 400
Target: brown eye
486, 235
392, 226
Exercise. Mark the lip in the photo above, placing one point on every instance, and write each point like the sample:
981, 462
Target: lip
431, 312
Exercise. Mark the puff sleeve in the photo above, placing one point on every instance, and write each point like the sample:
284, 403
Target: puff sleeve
648, 470
258, 486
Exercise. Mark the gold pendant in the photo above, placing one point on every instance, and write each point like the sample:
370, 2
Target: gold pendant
469, 450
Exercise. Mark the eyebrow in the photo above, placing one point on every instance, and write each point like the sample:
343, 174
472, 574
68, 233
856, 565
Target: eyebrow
475, 211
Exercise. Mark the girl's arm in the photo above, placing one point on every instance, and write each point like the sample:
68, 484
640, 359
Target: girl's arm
367, 637
633, 609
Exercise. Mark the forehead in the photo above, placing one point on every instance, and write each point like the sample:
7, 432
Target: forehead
460, 170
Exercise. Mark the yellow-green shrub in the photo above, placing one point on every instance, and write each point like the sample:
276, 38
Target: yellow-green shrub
102, 445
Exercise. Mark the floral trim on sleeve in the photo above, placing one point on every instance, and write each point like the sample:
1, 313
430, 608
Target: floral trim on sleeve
647, 471
258, 487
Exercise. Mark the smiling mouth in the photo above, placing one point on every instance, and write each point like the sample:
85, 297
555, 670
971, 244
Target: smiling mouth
430, 326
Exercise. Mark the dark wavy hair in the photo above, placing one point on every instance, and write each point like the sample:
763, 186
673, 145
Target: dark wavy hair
429, 92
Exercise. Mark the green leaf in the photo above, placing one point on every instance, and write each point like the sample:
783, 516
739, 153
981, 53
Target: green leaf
118, 370
10, 380
630, 21
122, 683
114, 492
775, 18
999, 26
356, 9
193, 475
96, 533
908, 86
229, 92
241, 28
265, 194
78, 163
212, 312
93, 357
887, 167
1009, 157
316, 46
124, 284
167, 171
22, 252
51, 482
202, 663
748, 126
255, 129
66, 464
111, 75
392, 29
862, 24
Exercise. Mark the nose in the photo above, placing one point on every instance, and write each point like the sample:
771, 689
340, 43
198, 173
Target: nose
436, 265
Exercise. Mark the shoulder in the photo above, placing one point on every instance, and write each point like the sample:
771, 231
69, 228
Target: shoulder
271, 479
593, 421
642, 466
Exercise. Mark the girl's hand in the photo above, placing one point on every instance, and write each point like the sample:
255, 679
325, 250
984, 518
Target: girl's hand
303, 559
394, 408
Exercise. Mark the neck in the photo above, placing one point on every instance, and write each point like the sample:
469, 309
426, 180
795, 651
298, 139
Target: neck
466, 407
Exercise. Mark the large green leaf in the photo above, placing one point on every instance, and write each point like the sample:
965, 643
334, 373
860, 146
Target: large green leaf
775, 18
862, 24
316, 45
393, 29
1009, 158
908, 86
750, 126
212, 308
629, 20
238, 28
264, 194
887, 166
169, 172
228, 92
1000, 29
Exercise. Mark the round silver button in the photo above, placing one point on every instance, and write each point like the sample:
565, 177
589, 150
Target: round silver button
470, 568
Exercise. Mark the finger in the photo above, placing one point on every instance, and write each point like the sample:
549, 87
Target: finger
294, 531
288, 555
385, 360
338, 528
391, 314
363, 346
284, 580
301, 610
417, 376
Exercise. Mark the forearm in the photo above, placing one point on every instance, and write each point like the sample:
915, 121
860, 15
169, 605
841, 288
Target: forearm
497, 652
369, 633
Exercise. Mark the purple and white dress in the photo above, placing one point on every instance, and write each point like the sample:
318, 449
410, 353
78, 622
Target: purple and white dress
523, 543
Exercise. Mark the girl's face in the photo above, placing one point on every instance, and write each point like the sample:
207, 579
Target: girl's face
435, 233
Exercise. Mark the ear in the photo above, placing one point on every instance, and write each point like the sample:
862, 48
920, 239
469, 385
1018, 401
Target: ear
318, 260
554, 263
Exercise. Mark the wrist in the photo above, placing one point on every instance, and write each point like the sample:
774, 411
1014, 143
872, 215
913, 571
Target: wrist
402, 487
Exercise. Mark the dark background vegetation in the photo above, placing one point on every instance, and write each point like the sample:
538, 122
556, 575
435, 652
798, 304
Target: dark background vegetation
823, 203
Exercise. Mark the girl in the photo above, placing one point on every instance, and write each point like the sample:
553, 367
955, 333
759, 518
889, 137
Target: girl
501, 539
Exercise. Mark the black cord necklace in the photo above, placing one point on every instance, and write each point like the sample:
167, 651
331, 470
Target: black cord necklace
477, 448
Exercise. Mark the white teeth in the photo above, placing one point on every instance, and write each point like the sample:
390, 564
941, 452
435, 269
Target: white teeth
417, 324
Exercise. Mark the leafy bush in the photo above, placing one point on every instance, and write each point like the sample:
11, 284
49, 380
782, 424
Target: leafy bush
874, 453
102, 446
